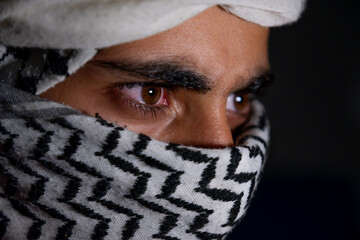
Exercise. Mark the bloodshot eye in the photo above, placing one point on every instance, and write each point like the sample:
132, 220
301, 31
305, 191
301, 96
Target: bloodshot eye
151, 95
147, 95
237, 102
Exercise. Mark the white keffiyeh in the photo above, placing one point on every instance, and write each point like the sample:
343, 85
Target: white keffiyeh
102, 23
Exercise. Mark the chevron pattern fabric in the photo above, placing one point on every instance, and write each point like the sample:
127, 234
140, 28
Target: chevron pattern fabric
65, 175
35, 70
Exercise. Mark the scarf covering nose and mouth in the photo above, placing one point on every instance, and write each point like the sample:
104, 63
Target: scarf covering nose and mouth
65, 175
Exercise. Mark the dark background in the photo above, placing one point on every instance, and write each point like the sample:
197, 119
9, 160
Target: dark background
311, 184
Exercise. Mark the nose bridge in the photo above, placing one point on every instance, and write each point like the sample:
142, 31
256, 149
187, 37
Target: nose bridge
207, 125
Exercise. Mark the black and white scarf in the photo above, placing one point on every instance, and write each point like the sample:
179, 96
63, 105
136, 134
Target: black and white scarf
65, 175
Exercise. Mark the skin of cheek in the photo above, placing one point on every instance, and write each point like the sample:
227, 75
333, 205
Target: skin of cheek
235, 119
197, 115
95, 99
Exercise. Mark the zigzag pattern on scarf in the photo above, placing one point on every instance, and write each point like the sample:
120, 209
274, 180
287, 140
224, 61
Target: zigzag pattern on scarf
34, 70
75, 171
64, 175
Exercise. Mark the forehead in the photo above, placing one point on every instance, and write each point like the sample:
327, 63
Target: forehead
215, 43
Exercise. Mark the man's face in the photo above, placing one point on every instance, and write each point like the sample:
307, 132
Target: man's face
189, 85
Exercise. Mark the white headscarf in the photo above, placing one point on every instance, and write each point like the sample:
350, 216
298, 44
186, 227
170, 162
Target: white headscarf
72, 24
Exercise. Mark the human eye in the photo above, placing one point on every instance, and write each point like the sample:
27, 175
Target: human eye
237, 103
238, 109
143, 98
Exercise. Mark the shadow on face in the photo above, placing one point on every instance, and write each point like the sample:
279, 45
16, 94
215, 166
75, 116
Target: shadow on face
191, 84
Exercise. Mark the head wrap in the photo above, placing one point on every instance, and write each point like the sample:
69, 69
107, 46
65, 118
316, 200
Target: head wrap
102, 23
65, 175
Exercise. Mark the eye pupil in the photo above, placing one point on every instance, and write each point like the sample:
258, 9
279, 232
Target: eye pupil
240, 101
151, 95
151, 91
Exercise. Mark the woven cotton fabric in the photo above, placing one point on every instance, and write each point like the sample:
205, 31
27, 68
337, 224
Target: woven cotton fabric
63, 24
65, 175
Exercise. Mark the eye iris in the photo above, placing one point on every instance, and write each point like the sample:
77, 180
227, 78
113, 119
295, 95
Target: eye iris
240, 101
151, 95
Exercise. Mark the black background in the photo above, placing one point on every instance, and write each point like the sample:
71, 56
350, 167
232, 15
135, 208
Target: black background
311, 184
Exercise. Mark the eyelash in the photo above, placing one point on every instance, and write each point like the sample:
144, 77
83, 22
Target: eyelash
145, 110
155, 111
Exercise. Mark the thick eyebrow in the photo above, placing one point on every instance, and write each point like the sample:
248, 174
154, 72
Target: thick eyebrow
257, 83
178, 75
171, 73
